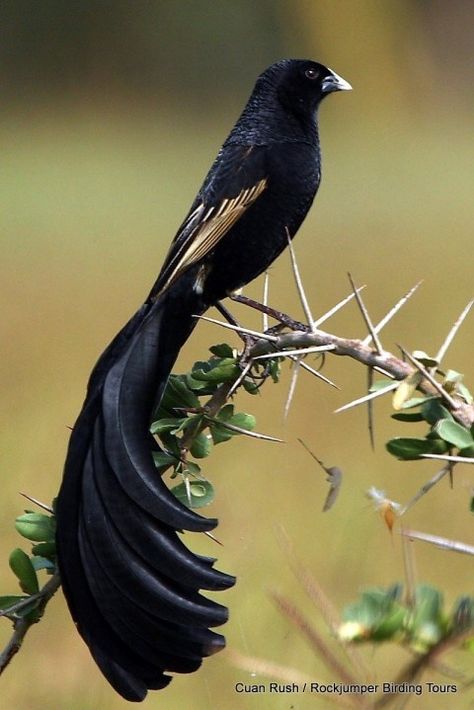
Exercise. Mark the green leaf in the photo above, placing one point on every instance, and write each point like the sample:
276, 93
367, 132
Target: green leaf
200, 385
408, 449
274, 368
381, 385
425, 359
454, 433
177, 395
426, 623
36, 527
201, 446
432, 411
225, 413
391, 624
163, 458
196, 495
428, 603
219, 433
463, 613
243, 421
9, 600
223, 370
222, 350
250, 386
166, 424
22, 567
192, 468
464, 392
174, 425
406, 389
45, 549
415, 402
452, 378
408, 416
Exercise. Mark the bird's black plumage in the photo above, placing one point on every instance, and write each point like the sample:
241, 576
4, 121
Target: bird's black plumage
131, 584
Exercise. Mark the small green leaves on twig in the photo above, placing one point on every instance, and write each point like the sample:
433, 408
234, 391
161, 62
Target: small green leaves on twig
27, 608
420, 623
188, 425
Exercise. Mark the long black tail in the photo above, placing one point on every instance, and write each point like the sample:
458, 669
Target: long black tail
131, 585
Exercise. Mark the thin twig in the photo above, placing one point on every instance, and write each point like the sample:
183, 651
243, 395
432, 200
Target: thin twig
334, 478
425, 488
21, 626
266, 281
370, 407
238, 328
320, 599
319, 645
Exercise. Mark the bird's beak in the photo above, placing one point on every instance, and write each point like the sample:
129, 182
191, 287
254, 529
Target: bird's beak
334, 82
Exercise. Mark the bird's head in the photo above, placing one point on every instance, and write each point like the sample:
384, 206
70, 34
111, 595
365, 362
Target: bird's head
302, 84
284, 102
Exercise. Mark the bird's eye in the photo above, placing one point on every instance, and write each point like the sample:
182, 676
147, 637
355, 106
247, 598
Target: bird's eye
311, 73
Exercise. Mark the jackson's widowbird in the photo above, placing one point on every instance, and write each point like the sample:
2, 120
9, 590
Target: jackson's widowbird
131, 585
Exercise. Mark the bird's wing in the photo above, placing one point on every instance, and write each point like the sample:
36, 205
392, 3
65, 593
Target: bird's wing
234, 182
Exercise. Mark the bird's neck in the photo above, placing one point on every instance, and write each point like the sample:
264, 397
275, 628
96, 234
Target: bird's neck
264, 122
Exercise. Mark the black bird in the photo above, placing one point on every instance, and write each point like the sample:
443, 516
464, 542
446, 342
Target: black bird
131, 585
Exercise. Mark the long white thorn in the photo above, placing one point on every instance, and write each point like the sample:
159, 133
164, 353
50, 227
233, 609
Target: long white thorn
450, 337
299, 284
367, 397
382, 323
336, 308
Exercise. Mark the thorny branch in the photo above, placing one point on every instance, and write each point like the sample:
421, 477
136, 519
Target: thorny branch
23, 624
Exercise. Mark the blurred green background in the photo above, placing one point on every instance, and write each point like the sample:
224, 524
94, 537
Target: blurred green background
112, 113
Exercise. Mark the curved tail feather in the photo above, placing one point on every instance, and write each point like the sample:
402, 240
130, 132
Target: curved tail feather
131, 584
